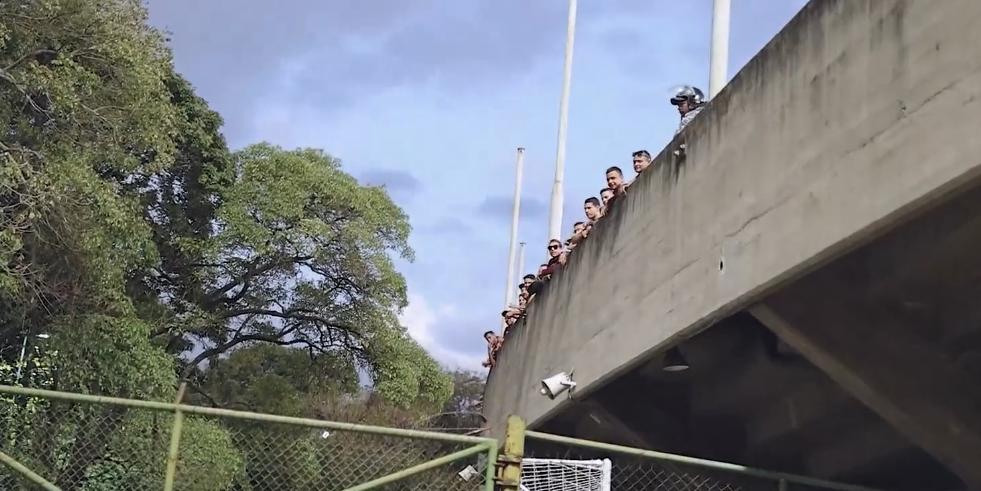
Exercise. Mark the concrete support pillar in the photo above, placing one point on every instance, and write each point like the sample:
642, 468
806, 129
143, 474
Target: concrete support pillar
876, 356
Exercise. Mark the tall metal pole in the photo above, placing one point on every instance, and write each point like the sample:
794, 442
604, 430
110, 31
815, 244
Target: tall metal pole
555, 213
720, 47
515, 213
521, 259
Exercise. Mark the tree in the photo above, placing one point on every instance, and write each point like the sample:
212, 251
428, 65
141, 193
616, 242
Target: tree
132, 236
277, 379
468, 392
462, 411
87, 116
301, 256
180, 204
119, 197
85, 108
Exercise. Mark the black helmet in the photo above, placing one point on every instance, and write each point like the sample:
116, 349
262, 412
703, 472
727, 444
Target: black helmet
688, 93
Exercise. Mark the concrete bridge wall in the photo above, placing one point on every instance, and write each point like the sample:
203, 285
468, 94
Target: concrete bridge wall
856, 116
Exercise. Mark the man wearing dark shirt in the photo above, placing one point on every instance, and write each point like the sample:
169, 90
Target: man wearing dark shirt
556, 258
528, 279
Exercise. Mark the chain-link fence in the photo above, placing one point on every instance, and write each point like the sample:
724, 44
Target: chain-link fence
644, 470
53, 440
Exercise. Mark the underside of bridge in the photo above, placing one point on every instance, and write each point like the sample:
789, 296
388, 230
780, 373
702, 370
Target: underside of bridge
864, 371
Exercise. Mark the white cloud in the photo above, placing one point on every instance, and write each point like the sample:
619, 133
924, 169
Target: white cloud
421, 319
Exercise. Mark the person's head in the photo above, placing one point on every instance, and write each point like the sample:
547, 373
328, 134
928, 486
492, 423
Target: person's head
592, 208
614, 178
578, 227
687, 98
554, 247
606, 194
541, 269
528, 279
489, 336
642, 159
522, 286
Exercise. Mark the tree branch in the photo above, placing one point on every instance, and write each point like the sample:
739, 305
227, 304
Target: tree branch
32, 54
252, 271
200, 391
289, 314
221, 348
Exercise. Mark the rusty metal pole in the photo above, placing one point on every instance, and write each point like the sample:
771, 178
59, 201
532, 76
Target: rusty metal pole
509, 461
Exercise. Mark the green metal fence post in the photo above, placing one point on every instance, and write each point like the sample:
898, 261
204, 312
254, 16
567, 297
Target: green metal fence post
491, 472
175, 441
514, 450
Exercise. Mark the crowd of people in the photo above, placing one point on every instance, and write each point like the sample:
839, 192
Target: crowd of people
689, 102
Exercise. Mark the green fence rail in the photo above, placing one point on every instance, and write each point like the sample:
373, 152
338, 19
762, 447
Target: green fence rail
56, 440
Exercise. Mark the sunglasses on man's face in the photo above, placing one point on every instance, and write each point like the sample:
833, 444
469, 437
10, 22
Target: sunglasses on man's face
553, 247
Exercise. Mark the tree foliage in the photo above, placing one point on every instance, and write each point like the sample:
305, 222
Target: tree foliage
148, 254
280, 380
301, 256
123, 210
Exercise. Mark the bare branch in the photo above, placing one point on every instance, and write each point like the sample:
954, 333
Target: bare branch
298, 314
224, 347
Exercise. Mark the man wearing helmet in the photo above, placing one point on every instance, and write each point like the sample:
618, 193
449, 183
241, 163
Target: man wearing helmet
690, 101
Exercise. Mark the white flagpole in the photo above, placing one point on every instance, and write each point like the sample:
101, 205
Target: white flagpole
555, 212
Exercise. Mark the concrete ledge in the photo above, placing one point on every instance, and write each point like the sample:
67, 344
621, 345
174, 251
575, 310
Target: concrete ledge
857, 116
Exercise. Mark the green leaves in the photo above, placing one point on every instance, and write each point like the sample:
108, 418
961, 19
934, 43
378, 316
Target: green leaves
99, 354
132, 236
279, 380
302, 256
406, 375
301, 202
130, 233
82, 91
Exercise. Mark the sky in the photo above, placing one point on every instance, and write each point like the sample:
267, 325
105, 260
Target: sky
430, 98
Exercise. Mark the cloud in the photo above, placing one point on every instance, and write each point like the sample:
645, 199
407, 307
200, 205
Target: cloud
427, 325
451, 225
500, 207
336, 53
400, 184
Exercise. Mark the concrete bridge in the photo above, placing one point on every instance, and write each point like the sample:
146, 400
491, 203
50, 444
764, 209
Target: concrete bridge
815, 256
